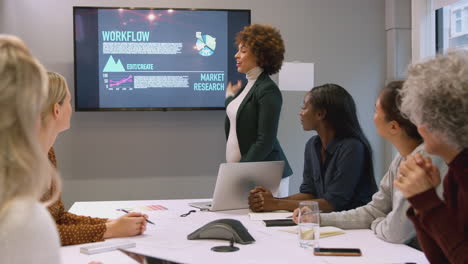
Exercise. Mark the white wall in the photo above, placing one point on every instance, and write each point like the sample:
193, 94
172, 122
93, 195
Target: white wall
164, 155
398, 30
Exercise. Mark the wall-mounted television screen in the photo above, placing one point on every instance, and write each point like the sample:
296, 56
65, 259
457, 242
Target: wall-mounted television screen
154, 59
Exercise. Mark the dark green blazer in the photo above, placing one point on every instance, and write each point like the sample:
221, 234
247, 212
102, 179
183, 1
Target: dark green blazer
257, 123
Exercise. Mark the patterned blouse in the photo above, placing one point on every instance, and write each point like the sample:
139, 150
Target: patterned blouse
74, 229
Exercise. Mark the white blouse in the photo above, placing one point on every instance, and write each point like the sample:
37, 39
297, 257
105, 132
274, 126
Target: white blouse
232, 147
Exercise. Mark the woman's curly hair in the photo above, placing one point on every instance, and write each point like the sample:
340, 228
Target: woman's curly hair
436, 95
266, 44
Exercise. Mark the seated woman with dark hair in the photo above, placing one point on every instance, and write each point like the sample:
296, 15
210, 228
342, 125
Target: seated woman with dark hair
385, 214
338, 170
76, 229
435, 98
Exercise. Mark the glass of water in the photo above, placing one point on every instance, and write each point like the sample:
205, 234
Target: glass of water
309, 224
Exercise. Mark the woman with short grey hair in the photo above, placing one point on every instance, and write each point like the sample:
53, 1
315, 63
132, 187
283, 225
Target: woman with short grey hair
436, 95
435, 98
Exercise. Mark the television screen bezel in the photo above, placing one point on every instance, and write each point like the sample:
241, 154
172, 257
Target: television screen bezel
118, 109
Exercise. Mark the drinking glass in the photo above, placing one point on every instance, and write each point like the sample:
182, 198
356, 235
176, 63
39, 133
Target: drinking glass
309, 224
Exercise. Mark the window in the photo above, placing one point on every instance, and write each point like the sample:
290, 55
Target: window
457, 22
452, 26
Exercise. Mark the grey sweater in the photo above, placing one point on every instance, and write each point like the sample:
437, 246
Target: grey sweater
386, 213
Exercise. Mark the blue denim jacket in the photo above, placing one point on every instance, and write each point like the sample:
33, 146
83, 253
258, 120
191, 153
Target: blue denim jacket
344, 179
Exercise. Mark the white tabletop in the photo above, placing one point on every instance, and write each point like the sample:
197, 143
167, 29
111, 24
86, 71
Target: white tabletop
168, 239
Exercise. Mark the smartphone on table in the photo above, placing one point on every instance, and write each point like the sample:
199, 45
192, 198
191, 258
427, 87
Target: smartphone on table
337, 252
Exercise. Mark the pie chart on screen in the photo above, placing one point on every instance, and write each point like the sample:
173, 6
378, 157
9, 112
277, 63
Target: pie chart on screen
206, 44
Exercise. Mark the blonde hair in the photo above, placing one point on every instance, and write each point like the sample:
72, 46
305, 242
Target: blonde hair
25, 171
57, 92
436, 95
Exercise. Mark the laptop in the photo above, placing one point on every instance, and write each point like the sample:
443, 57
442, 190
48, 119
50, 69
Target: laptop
235, 180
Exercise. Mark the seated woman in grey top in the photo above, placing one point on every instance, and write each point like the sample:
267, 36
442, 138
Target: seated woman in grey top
338, 171
386, 213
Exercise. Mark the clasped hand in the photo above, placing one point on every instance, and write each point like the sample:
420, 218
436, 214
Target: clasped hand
417, 174
261, 199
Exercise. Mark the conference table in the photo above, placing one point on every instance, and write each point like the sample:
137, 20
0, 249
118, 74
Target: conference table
167, 239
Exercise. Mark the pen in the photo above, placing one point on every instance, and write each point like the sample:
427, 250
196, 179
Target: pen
126, 211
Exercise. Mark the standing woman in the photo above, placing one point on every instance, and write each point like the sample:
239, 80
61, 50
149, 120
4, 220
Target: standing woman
435, 97
27, 232
253, 110
76, 229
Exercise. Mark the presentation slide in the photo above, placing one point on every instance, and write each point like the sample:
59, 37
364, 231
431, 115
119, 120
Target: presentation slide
146, 58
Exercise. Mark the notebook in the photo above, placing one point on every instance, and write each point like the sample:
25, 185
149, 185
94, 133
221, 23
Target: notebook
325, 231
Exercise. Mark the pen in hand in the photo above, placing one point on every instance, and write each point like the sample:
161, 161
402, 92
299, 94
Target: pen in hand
126, 211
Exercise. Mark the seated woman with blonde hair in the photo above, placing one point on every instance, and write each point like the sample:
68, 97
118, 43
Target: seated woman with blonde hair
27, 232
75, 229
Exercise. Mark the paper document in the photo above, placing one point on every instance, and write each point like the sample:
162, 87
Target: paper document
146, 208
325, 231
270, 216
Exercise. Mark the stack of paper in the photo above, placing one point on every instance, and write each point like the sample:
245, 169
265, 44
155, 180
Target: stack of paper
270, 215
105, 246
325, 231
